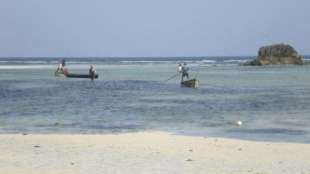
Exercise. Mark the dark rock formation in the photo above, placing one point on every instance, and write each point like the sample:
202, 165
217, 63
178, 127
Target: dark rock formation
276, 55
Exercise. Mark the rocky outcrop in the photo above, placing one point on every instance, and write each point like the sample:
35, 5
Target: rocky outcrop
276, 55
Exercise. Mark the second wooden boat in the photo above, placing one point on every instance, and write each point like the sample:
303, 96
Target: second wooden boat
70, 75
81, 76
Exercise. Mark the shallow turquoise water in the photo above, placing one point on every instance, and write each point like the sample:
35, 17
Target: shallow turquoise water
272, 102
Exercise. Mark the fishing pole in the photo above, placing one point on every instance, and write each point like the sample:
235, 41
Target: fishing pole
198, 69
172, 77
197, 72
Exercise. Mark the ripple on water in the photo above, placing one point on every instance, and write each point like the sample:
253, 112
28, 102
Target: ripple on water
271, 131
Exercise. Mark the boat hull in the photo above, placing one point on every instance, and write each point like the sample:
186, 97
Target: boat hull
192, 83
61, 74
81, 76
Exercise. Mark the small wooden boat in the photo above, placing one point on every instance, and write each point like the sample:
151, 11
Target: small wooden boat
59, 74
192, 83
88, 76
70, 75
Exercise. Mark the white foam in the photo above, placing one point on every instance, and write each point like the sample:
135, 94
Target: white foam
208, 61
27, 67
147, 62
235, 61
21, 62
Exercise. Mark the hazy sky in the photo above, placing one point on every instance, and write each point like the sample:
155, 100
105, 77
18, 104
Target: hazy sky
100, 28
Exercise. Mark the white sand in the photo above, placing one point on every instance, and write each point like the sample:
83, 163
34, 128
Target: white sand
148, 153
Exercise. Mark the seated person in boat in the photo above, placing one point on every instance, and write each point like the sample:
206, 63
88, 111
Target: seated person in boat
92, 72
184, 70
66, 71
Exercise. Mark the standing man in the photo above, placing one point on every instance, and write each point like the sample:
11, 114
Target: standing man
184, 71
61, 67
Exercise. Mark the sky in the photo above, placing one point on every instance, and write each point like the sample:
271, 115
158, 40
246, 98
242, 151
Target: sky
150, 28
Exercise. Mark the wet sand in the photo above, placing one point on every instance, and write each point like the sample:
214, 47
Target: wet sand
148, 152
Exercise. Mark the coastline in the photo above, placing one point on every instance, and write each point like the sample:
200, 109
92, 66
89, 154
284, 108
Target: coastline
147, 152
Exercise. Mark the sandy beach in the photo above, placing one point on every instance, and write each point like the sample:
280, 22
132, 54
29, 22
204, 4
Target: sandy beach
148, 152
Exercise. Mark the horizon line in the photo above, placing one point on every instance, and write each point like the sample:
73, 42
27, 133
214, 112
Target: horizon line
120, 57
130, 57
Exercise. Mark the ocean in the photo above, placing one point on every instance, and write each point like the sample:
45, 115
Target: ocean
133, 94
